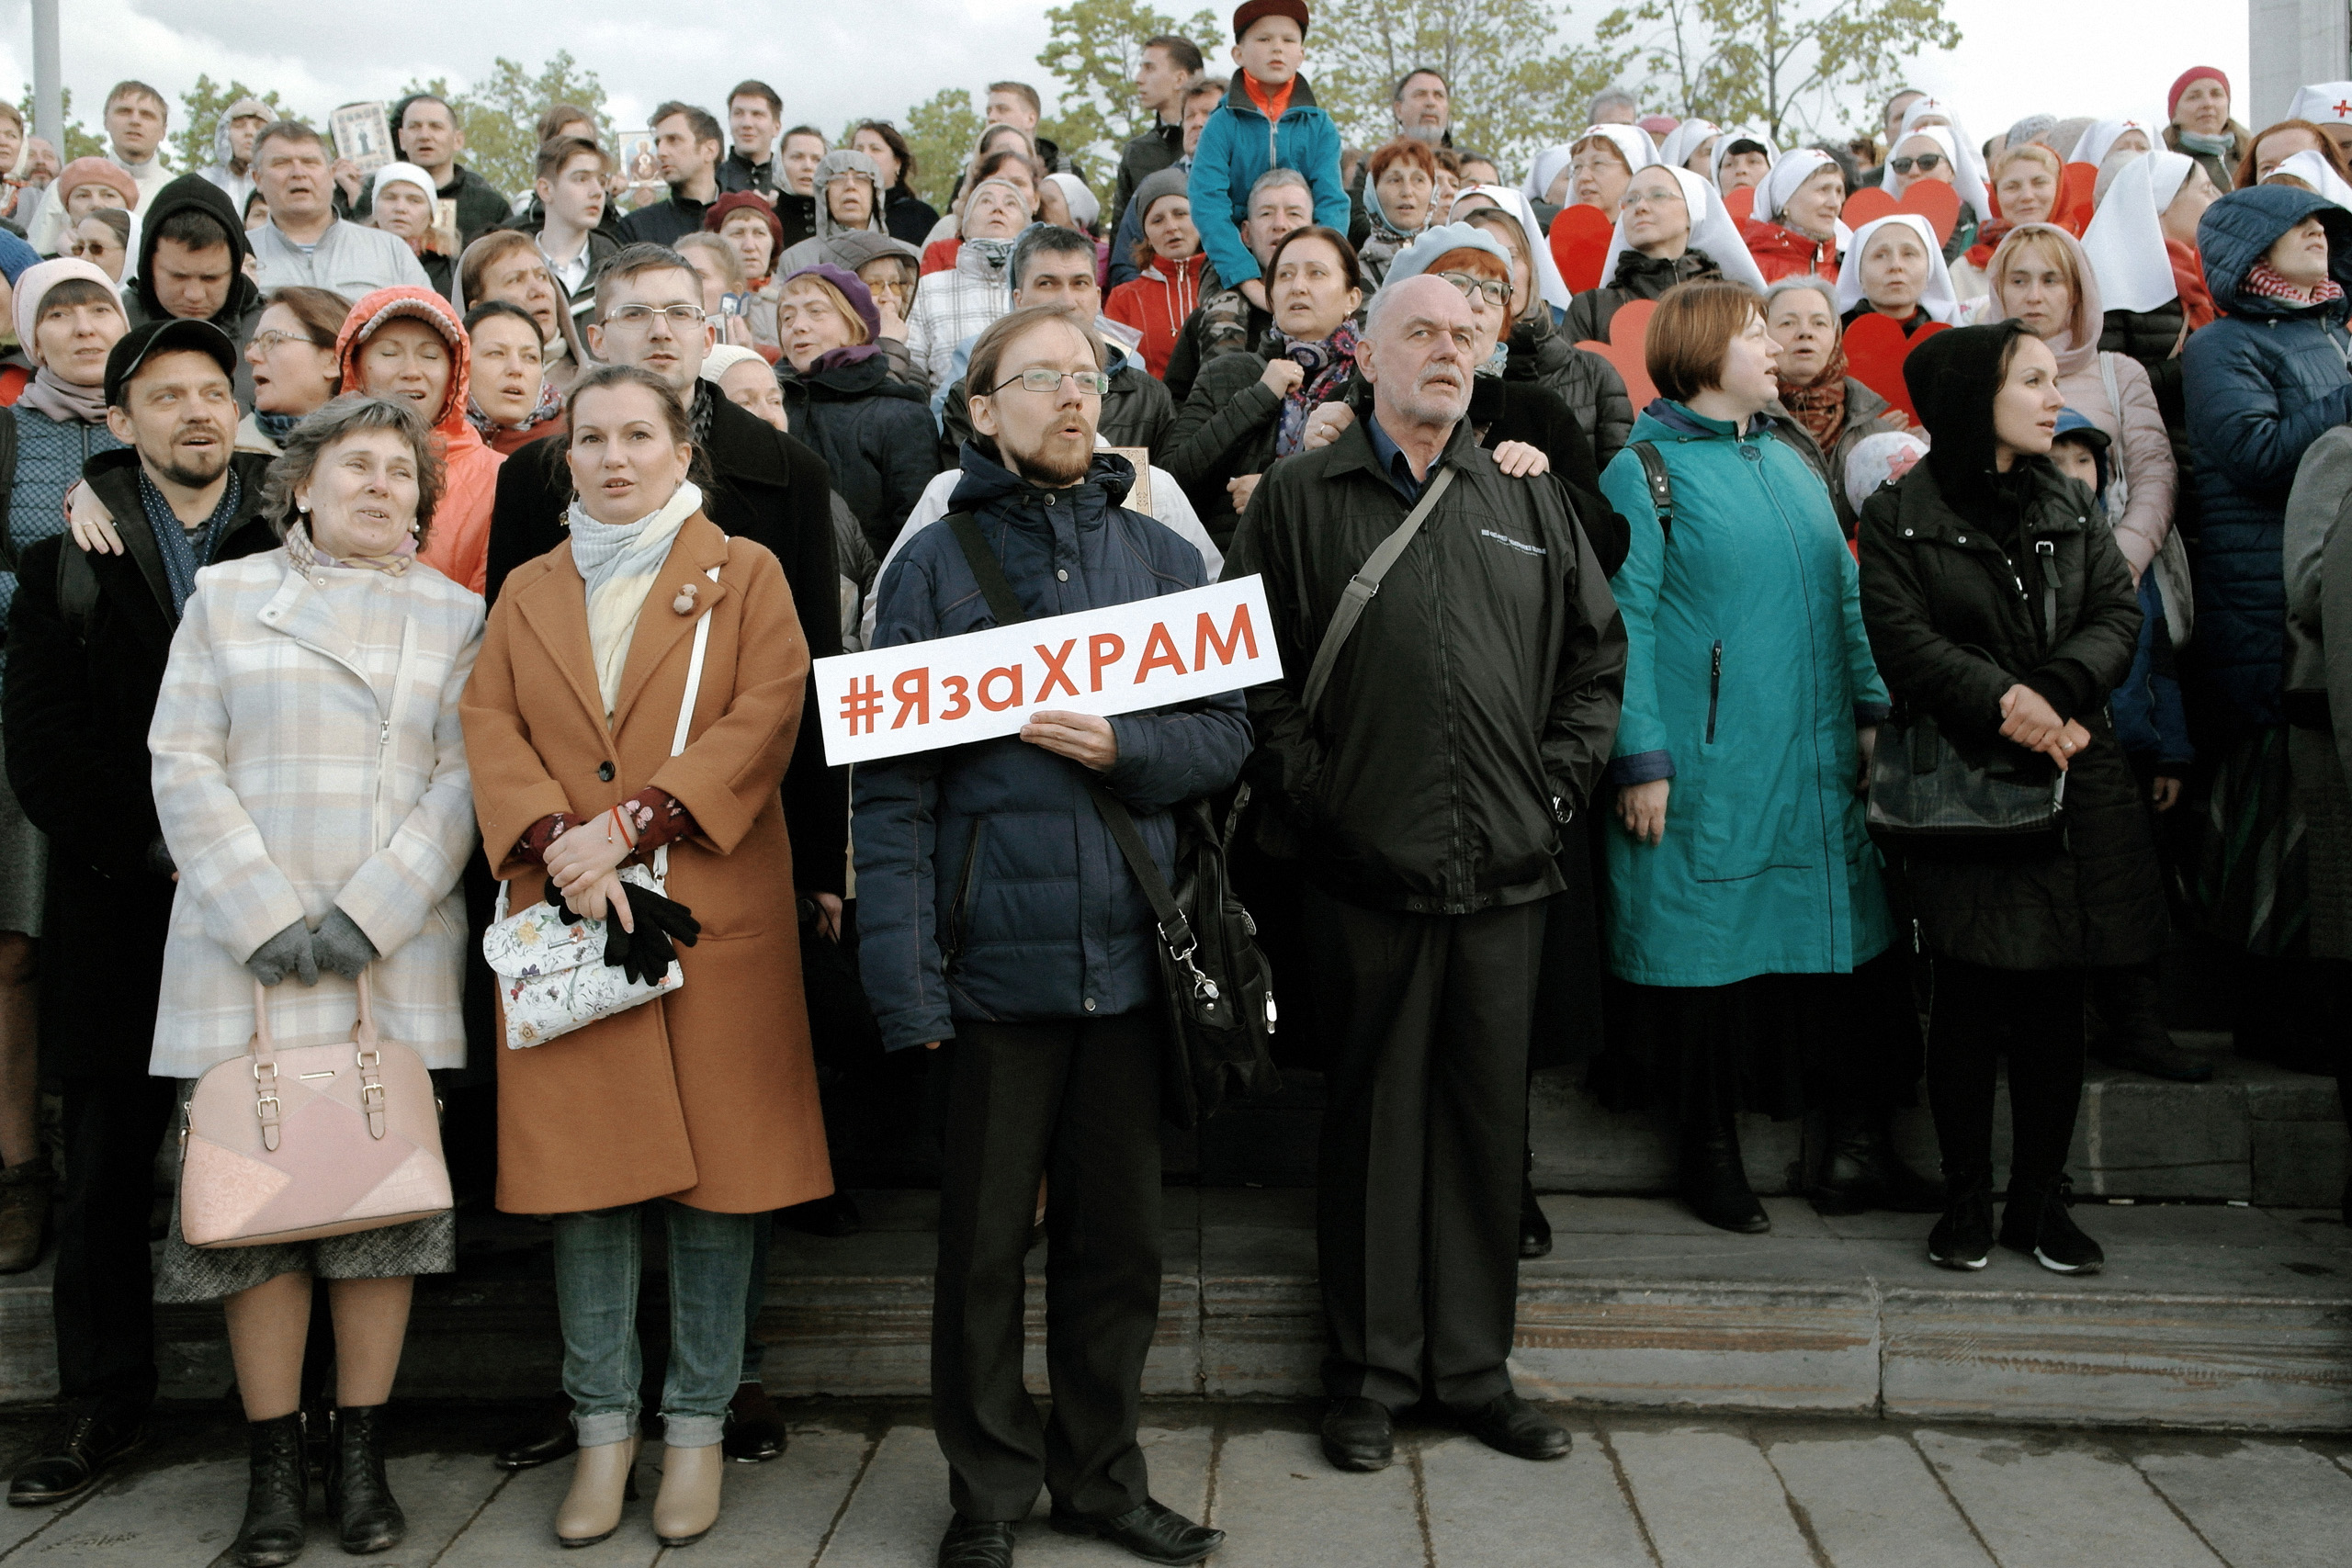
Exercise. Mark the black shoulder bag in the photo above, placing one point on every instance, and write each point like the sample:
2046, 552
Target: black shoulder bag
1218, 987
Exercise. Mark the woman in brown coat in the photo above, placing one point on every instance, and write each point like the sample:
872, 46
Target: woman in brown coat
703, 1098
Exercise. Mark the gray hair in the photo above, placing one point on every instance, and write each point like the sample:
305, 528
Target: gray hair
1810, 282
1611, 97
1279, 179
2033, 128
354, 413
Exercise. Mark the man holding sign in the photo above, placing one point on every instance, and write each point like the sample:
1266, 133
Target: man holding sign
1425, 769
995, 911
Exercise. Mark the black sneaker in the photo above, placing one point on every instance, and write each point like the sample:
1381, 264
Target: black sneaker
1963, 1237
2038, 1221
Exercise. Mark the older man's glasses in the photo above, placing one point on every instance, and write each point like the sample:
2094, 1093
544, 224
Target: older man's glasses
682, 318
1040, 379
1925, 163
1492, 290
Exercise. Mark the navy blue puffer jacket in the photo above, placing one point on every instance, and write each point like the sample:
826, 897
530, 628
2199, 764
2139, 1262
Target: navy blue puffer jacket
2264, 380
987, 884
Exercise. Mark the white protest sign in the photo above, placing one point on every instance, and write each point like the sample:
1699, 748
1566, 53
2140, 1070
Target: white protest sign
954, 689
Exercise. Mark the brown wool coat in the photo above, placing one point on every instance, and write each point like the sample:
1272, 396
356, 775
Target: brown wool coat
707, 1095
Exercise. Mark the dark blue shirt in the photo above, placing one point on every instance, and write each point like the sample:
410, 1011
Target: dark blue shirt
1394, 463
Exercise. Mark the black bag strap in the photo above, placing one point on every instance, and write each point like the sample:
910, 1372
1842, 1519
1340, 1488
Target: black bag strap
1661, 485
1005, 605
1363, 585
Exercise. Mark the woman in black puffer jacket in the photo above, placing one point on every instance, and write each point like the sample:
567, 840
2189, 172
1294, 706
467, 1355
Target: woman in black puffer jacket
2000, 607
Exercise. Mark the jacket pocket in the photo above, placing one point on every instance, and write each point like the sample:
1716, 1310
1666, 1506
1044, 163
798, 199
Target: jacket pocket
958, 912
1714, 687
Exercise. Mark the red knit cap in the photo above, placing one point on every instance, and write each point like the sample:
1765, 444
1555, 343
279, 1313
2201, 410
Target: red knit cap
1251, 12
2180, 85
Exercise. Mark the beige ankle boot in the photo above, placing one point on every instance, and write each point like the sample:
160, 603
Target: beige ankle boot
687, 1504
603, 1478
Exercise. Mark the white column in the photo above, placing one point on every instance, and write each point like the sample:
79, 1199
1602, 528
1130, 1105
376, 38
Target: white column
2291, 42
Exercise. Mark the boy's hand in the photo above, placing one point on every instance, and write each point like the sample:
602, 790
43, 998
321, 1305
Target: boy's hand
1254, 291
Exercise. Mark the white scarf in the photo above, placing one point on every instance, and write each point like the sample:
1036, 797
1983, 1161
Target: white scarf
1712, 231
1936, 294
618, 561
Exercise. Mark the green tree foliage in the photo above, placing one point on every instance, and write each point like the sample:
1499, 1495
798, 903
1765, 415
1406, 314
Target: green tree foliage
190, 146
1094, 52
499, 113
1793, 66
81, 141
1518, 84
940, 131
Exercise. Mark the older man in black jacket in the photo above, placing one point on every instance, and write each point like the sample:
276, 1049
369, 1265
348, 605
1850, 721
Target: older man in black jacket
88, 636
1424, 795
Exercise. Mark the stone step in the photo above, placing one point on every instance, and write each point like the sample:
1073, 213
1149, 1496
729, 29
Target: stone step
2254, 1132
2208, 1315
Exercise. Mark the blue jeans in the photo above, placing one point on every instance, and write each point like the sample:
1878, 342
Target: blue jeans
597, 1259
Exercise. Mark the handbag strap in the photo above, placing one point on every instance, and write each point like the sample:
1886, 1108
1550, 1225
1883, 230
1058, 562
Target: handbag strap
1363, 585
1661, 485
694, 678
1175, 931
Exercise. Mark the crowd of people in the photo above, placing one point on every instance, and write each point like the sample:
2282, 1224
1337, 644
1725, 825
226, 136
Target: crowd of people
395, 564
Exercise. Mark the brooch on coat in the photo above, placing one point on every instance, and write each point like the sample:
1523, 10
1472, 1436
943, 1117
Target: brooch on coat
684, 603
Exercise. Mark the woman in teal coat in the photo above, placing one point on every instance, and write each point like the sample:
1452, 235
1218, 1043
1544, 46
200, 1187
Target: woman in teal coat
1745, 897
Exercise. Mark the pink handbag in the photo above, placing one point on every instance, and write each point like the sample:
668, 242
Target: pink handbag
323, 1140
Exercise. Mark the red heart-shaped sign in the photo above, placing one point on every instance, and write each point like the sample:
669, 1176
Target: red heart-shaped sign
1875, 349
1931, 199
1626, 348
1580, 239
1740, 202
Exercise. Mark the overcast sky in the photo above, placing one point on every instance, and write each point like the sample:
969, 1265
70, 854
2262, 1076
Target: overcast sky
833, 60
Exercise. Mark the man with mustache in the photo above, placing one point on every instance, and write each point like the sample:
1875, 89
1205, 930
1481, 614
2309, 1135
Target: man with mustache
1423, 796
304, 243
88, 637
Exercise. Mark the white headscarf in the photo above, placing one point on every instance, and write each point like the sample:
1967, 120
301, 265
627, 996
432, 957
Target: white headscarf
1684, 140
725, 357
2126, 239
2324, 103
1936, 296
1788, 174
403, 174
1631, 140
1723, 146
2101, 139
1083, 204
1712, 231
1970, 189
1968, 167
1549, 286
2312, 169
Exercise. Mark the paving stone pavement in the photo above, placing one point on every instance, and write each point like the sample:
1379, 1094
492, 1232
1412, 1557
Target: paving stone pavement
863, 1487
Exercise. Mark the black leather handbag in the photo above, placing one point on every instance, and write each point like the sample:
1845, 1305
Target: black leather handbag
1921, 787
1217, 987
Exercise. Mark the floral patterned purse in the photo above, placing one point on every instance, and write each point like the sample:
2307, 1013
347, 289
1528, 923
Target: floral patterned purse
552, 978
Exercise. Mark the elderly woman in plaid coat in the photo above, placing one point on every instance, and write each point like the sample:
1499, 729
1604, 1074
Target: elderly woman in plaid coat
310, 774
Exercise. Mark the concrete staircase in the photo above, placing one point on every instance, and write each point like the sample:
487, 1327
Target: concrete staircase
2227, 1301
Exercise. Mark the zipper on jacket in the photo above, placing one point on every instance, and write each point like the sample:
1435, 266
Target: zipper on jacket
953, 948
1714, 687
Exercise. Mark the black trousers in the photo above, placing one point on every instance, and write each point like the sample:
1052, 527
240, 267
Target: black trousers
1424, 1143
2037, 1016
105, 1295
1078, 1102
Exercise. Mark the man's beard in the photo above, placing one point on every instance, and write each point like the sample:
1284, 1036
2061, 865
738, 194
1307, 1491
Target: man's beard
1040, 468
181, 470
1430, 134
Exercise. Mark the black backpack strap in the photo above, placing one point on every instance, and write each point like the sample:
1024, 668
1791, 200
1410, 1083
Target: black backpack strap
989, 572
1661, 485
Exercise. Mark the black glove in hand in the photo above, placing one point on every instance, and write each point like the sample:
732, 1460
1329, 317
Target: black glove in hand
341, 945
645, 953
290, 952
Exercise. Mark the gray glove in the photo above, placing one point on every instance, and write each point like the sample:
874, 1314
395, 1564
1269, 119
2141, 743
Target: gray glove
341, 945
287, 952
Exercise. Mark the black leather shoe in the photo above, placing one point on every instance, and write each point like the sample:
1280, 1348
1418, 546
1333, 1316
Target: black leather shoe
834, 1217
368, 1518
976, 1543
754, 1430
1507, 1424
88, 1445
2131, 1033
1714, 1181
1862, 1171
1359, 1435
1535, 1229
277, 1492
553, 1439
1153, 1531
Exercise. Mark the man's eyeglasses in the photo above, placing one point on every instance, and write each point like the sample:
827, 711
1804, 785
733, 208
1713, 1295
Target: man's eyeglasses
685, 318
1492, 290
1038, 379
1925, 163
